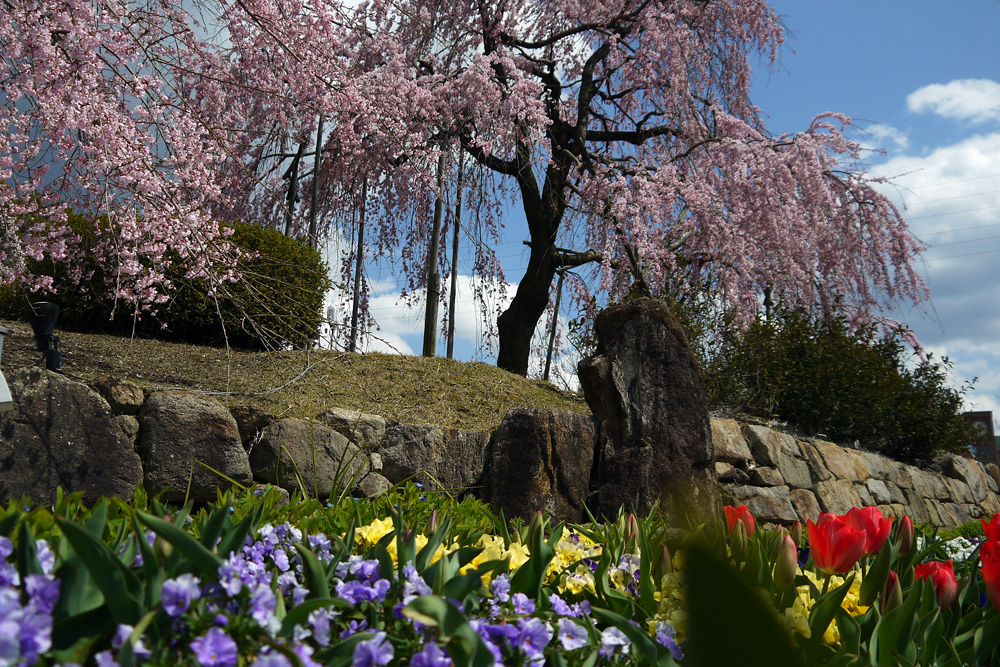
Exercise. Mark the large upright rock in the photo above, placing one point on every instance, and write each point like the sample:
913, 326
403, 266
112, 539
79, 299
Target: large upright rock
436, 456
292, 449
651, 409
60, 433
540, 460
183, 432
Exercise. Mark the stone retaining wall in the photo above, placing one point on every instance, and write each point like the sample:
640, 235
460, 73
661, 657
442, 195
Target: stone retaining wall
105, 439
782, 478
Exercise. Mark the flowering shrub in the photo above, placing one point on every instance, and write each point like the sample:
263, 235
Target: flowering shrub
233, 586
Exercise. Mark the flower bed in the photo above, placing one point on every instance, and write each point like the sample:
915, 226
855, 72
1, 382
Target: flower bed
420, 579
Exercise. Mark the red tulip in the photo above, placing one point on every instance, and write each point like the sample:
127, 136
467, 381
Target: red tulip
834, 544
942, 575
989, 554
741, 514
992, 528
875, 527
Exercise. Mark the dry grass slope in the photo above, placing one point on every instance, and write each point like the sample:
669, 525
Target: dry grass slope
473, 396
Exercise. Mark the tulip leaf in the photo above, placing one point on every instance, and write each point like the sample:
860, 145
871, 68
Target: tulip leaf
237, 536
528, 577
315, 575
987, 639
826, 607
299, 615
895, 631
203, 559
73, 637
729, 623
648, 649
122, 590
878, 573
212, 528
463, 644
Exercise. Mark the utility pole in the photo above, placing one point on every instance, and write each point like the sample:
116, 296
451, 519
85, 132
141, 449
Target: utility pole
358, 265
454, 255
555, 321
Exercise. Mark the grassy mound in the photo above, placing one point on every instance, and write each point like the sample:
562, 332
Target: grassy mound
301, 383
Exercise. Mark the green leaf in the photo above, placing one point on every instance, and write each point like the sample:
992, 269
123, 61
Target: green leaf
237, 537
729, 622
341, 654
73, 637
212, 528
987, 640
528, 577
647, 648
98, 518
878, 573
207, 562
895, 631
300, 614
315, 575
463, 644
122, 590
825, 608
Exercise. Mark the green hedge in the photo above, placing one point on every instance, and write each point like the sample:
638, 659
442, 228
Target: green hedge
823, 377
277, 303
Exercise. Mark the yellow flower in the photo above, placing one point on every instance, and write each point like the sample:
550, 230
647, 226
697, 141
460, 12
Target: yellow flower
369, 535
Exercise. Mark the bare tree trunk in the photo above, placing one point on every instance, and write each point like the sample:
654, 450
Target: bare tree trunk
433, 277
313, 236
359, 253
454, 256
292, 198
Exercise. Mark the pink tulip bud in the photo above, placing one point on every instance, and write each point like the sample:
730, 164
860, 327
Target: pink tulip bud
892, 595
796, 533
786, 564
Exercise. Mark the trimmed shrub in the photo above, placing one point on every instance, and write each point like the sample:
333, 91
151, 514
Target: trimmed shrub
848, 385
277, 303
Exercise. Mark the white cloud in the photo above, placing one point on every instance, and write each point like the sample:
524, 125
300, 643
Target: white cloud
975, 100
884, 137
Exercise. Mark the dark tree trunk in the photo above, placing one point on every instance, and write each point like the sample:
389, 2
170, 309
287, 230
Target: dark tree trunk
516, 325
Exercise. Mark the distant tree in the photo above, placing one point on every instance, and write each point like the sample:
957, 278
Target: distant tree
623, 128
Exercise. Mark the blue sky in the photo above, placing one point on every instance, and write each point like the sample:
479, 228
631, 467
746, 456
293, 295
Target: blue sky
923, 79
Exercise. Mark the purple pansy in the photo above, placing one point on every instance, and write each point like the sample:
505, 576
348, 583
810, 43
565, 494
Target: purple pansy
431, 655
178, 593
572, 635
215, 649
373, 652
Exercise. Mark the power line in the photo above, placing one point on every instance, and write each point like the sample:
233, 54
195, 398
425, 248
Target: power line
984, 238
962, 229
969, 254
938, 215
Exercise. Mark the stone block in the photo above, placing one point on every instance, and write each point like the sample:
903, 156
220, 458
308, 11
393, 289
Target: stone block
729, 444
765, 476
806, 505
767, 504
837, 496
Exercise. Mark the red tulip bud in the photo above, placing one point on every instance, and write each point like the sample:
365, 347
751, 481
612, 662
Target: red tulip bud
942, 575
905, 536
740, 514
